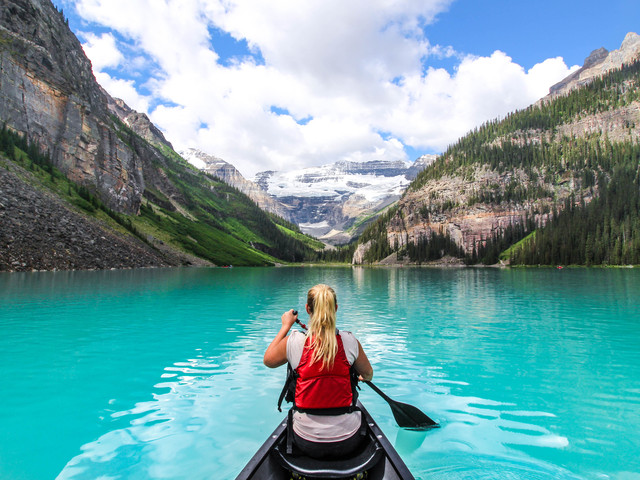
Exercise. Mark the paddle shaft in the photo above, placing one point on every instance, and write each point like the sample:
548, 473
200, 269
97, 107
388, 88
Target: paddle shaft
378, 391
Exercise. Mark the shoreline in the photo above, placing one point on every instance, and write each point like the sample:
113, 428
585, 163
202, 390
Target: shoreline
437, 264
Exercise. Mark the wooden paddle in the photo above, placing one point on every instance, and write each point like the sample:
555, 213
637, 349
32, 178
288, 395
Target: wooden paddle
407, 416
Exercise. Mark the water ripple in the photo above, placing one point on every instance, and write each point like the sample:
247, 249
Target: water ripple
148, 375
479, 467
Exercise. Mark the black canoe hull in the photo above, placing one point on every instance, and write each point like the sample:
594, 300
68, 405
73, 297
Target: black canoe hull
384, 464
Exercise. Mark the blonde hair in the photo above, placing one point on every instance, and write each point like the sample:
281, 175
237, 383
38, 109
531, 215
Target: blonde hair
322, 303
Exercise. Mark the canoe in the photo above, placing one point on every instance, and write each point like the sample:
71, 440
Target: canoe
377, 457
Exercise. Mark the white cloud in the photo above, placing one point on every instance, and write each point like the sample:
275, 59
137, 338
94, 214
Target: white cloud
102, 50
333, 62
125, 90
438, 108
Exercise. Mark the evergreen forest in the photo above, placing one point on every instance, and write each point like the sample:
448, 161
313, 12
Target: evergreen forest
598, 224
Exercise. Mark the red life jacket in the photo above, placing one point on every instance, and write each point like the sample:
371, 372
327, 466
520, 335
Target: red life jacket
323, 388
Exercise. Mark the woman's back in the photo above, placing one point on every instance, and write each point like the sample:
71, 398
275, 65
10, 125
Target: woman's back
325, 420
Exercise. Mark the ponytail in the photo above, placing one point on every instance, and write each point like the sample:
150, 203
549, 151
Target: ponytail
322, 303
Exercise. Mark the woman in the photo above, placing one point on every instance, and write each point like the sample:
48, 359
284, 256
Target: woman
324, 421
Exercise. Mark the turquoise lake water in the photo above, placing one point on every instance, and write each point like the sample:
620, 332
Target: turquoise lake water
157, 374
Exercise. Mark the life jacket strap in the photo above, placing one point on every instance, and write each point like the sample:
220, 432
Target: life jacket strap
326, 411
290, 432
288, 390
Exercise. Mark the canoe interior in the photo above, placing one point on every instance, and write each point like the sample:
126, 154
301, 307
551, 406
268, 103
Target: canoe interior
265, 464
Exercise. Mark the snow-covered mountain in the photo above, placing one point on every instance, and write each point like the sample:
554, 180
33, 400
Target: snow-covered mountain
333, 202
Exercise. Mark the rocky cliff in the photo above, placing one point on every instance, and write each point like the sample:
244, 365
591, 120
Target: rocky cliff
110, 170
138, 122
49, 93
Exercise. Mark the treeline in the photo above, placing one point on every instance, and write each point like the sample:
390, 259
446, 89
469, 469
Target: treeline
10, 139
582, 158
488, 251
432, 247
339, 254
605, 231
376, 233
615, 89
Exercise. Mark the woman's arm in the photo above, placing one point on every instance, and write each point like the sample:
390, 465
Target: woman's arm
276, 353
363, 367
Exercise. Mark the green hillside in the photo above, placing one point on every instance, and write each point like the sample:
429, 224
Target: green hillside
205, 217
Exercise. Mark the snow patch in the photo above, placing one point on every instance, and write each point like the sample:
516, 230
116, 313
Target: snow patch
331, 182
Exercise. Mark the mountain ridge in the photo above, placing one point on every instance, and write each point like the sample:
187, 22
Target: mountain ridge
518, 171
597, 63
229, 174
112, 167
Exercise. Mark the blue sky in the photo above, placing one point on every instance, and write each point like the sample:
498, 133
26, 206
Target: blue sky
289, 83
530, 32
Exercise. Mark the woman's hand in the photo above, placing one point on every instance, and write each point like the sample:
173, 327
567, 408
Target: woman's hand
289, 318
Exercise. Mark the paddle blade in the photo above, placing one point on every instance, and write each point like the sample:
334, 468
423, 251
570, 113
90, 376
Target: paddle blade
408, 416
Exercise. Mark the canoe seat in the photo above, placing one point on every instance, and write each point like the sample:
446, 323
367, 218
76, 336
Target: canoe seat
366, 458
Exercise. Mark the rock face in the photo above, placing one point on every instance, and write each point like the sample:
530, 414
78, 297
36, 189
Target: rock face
39, 232
136, 121
361, 250
597, 63
229, 174
49, 93
422, 212
334, 202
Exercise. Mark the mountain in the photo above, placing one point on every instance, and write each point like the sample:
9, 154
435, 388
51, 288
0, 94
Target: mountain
113, 177
557, 182
229, 174
334, 202
137, 122
49, 92
599, 62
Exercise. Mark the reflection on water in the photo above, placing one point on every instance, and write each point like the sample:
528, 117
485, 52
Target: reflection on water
158, 373
169, 436
193, 427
